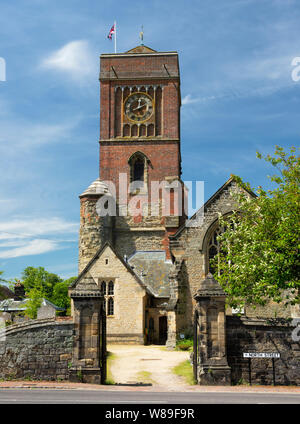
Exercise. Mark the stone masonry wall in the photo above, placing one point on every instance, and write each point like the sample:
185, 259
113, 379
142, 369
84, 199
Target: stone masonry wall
189, 245
94, 231
261, 335
38, 349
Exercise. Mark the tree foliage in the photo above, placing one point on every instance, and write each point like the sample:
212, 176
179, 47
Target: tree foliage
39, 278
259, 254
39, 283
60, 294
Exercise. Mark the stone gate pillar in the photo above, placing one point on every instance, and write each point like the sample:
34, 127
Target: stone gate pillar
210, 327
89, 351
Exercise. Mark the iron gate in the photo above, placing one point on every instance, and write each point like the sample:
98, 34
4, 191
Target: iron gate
195, 344
103, 352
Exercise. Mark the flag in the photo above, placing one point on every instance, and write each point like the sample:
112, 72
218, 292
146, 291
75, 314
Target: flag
111, 32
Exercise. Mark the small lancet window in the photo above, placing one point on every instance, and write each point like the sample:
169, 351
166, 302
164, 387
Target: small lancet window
138, 170
103, 288
110, 306
110, 288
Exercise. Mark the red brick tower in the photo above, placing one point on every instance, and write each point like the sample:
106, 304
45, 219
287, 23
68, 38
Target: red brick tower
140, 138
140, 146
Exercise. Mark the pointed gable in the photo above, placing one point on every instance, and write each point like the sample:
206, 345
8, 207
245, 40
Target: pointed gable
141, 49
96, 268
221, 202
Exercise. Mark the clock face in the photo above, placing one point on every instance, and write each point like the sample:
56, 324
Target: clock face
138, 107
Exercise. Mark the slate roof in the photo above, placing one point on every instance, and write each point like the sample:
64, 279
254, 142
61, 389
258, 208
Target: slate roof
11, 305
153, 269
209, 287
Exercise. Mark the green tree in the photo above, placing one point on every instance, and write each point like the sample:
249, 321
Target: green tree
60, 294
259, 255
35, 296
38, 284
39, 278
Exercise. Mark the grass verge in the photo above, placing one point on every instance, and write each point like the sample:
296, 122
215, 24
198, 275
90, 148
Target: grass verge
109, 359
185, 370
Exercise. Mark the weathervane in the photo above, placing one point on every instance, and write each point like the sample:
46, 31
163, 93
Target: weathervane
142, 35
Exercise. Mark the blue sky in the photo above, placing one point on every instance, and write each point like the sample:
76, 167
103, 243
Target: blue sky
237, 93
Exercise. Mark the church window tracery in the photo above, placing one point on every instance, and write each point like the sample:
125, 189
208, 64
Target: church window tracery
110, 306
110, 288
108, 291
213, 249
138, 164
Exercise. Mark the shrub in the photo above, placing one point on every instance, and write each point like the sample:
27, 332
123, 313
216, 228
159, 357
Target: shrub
184, 344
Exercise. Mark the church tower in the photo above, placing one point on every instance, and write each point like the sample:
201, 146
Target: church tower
140, 158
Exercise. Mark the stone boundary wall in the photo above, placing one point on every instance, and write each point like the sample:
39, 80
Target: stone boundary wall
37, 349
262, 335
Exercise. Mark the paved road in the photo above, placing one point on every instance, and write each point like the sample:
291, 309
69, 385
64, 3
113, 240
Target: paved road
62, 396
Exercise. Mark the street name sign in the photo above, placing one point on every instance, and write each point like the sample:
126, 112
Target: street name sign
261, 355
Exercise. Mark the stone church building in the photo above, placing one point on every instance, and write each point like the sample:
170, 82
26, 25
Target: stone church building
136, 243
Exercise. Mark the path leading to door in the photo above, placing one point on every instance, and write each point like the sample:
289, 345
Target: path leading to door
147, 364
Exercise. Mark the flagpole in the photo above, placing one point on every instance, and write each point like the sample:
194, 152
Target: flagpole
115, 36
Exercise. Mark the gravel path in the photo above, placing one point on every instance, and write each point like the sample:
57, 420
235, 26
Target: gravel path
147, 364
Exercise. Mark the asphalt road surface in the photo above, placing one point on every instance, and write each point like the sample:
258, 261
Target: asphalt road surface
63, 396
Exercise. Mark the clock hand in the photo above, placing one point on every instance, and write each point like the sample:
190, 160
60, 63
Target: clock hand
140, 106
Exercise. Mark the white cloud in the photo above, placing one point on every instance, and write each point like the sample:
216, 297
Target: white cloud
33, 247
33, 134
21, 236
188, 99
20, 228
13, 242
74, 58
267, 67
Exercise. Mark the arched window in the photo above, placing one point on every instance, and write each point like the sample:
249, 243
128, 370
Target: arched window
126, 130
103, 288
110, 288
134, 131
139, 170
110, 306
138, 164
150, 130
108, 291
213, 246
213, 249
142, 131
